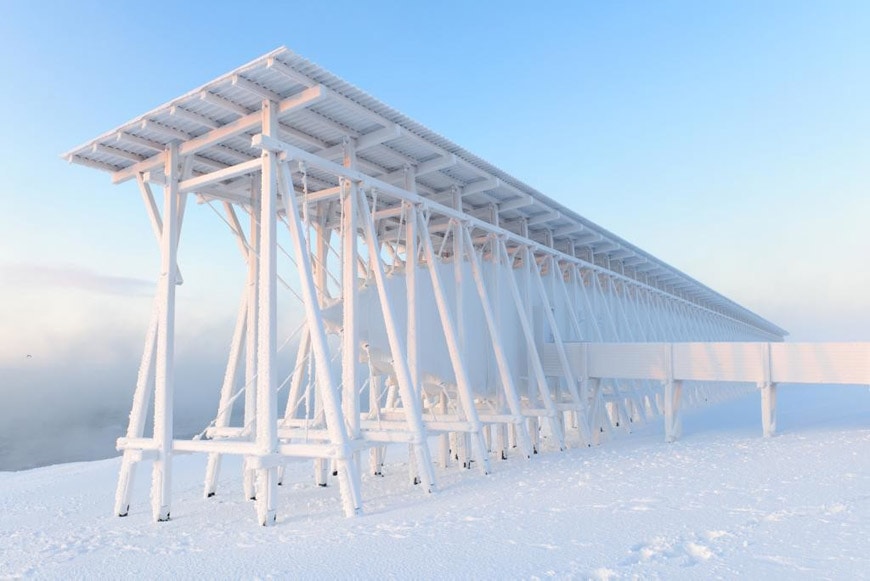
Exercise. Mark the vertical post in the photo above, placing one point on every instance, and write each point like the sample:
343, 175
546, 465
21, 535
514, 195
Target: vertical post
496, 305
413, 318
768, 408
673, 392
323, 236
350, 334
413, 345
267, 398
768, 395
161, 482
252, 337
376, 460
443, 439
534, 426
596, 409
462, 438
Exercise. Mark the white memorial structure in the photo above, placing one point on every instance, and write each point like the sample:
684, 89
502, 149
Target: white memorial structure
443, 303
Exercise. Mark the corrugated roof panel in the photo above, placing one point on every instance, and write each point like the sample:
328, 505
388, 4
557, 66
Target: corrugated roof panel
436, 181
318, 126
384, 156
130, 146
244, 98
339, 113
411, 148
354, 112
462, 173
214, 113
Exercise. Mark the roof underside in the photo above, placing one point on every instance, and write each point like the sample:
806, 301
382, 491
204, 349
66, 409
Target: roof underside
322, 111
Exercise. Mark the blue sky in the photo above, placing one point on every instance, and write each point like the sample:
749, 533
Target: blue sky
730, 139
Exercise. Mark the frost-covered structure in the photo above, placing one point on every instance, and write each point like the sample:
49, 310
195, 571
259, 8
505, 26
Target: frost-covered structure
441, 296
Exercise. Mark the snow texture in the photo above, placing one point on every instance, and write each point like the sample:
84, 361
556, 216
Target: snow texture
719, 503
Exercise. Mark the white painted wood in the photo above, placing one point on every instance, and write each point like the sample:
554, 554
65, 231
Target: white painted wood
267, 327
563, 359
672, 397
412, 292
614, 293
225, 408
161, 483
451, 335
253, 335
537, 369
397, 348
495, 333
720, 361
629, 360
190, 146
768, 409
838, 363
348, 478
141, 401
350, 329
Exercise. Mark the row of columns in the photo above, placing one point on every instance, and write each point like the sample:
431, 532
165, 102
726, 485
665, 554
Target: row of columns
339, 402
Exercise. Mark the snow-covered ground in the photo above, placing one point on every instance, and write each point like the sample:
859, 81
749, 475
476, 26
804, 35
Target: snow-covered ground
720, 502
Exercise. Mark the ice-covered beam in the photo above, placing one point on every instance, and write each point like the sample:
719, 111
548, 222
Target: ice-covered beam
244, 124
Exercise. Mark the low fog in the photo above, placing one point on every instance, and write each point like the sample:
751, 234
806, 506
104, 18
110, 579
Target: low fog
68, 369
73, 407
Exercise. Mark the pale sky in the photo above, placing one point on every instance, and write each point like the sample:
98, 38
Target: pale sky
729, 139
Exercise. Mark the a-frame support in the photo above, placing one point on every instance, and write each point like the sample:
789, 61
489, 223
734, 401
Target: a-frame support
348, 471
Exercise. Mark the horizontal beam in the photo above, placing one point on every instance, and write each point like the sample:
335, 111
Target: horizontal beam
255, 89
522, 201
289, 152
223, 103
569, 229
544, 218
194, 184
122, 137
379, 136
181, 113
276, 65
99, 148
364, 142
244, 124
484, 185
436, 164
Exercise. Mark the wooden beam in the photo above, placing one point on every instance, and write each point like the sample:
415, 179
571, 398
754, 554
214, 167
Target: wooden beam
190, 146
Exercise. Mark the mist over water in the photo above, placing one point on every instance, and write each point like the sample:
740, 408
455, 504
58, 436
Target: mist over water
61, 416
64, 407
69, 407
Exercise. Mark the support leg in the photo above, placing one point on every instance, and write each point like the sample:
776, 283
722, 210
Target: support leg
266, 434
225, 408
673, 392
141, 400
443, 439
768, 409
161, 480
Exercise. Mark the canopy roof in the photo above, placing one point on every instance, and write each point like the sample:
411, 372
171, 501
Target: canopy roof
318, 111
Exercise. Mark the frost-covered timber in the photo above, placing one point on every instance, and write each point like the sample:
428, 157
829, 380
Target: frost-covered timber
435, 289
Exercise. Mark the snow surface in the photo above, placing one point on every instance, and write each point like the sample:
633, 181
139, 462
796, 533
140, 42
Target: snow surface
720, 502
